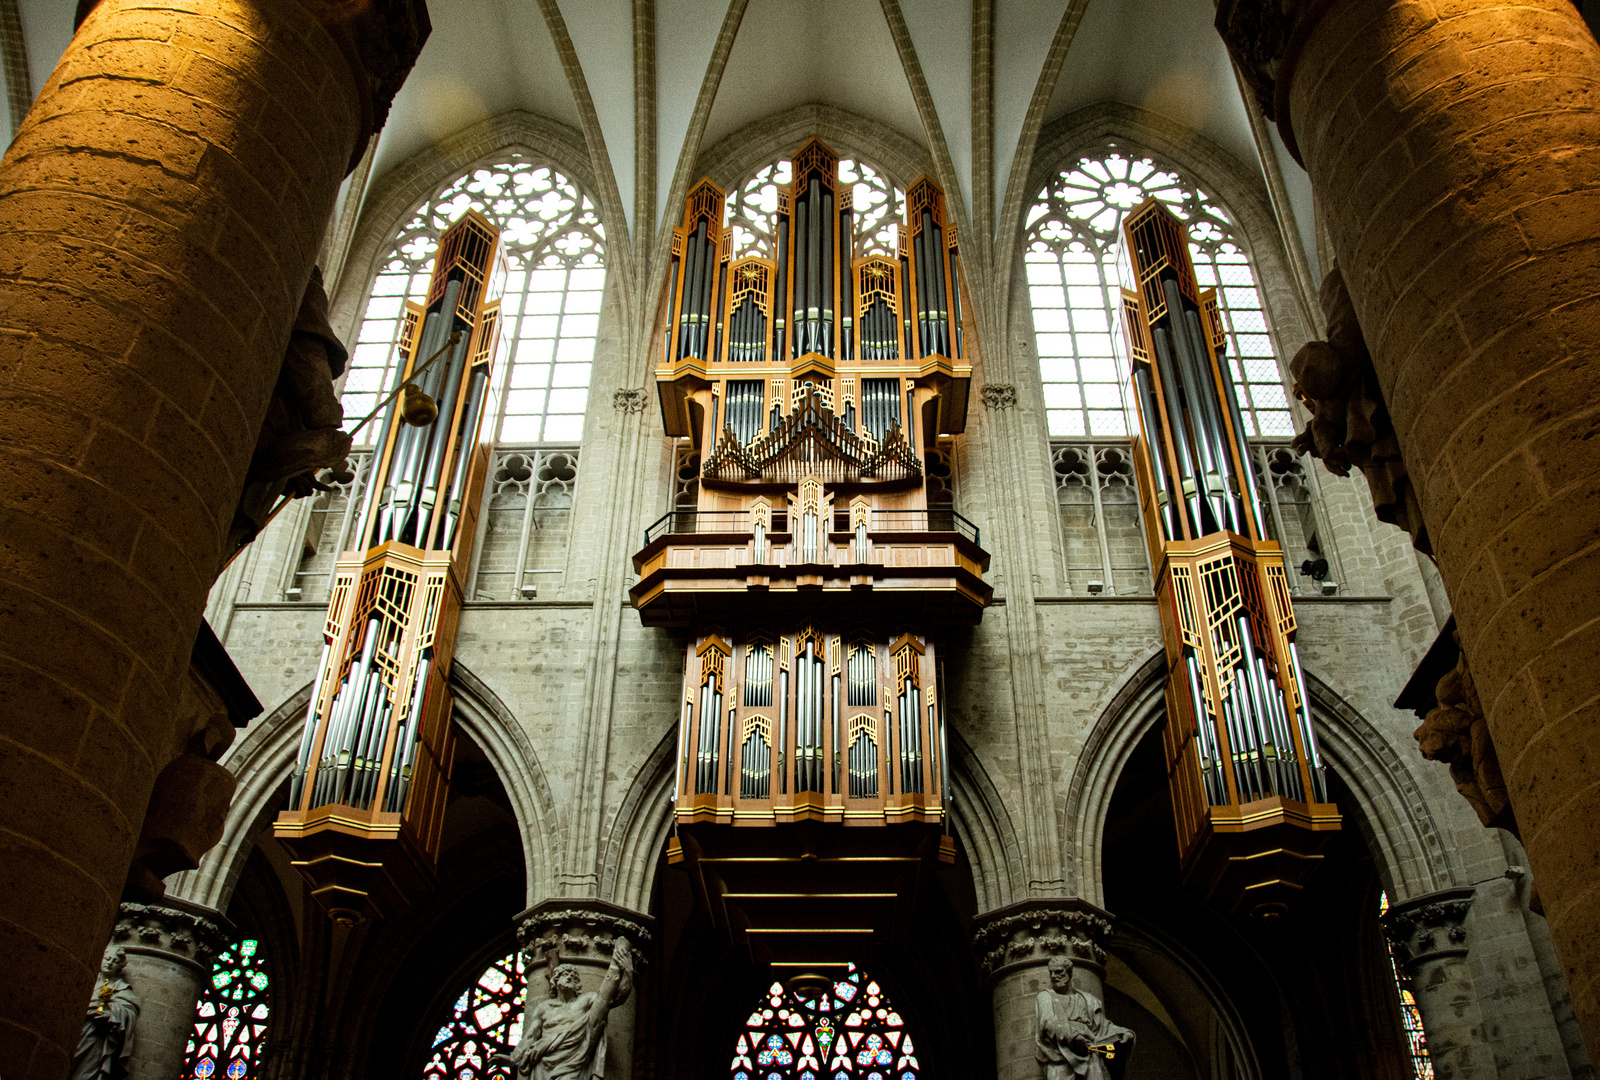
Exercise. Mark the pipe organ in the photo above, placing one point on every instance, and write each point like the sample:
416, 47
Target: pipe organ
367, 797
813, 576
1248, 788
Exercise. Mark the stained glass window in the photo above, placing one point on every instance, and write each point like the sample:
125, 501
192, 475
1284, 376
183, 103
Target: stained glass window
878, 207
1410, 1017
486, 1019
555, 248
848, 1032
230, 1023
1074, 231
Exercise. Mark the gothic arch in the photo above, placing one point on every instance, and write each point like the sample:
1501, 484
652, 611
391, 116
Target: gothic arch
980, 819
1395, 819
397, 193
264, 761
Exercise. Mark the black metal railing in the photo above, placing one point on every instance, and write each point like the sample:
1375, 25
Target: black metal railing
739, 522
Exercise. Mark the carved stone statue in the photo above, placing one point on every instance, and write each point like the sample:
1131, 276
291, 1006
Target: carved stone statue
301, 432
107, 1040
564, 1037
1456, 733
1075, 1038
1350, 423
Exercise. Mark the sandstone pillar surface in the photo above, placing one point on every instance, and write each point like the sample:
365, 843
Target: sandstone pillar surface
1450, 145
171, 947
160, 209
1014, 944
584, 934
1430, 945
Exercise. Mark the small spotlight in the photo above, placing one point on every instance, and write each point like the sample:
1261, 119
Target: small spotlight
1330, 588
530, 592
292, 594
1096, 588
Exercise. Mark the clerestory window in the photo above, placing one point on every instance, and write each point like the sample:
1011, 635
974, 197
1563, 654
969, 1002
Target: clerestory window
878, 207
1074, 230
555, 247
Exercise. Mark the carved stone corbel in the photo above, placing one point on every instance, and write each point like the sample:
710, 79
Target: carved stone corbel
1029, 933
1456, 733
584, 932
628, 401
1264, 37
1350, 423
999, 396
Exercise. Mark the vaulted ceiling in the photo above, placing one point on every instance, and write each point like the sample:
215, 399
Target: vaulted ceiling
971, 82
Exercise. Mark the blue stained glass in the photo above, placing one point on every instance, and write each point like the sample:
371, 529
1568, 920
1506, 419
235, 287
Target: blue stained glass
799, 1039
231, 1017
485, 1020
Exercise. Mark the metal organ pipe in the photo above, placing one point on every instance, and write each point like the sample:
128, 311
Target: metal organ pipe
781, 296
1173, 392
801, 252
1168, 499
825, 279
847, 299
1204, 416
814, 248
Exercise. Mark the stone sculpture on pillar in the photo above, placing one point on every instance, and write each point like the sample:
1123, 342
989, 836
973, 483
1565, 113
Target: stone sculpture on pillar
107, 1040
1455, 732
1350, 423
1074, 1037
565, 1035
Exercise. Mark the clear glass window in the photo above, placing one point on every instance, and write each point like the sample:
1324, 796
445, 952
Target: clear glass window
1074, 232
878, 206
555, 250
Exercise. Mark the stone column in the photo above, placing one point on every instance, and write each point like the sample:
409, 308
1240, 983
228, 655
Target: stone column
1449, 143
170, 948
584, 933
1013, 945
1430, 945
161, 208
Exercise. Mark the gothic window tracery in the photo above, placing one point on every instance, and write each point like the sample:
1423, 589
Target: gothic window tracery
555, 247
878, 207
1073, 238
231, 1017
485, 1020
848, 1032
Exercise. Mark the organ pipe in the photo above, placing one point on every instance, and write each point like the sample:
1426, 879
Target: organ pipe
375, 757
1249, 789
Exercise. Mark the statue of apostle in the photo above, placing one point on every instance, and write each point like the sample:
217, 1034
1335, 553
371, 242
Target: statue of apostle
564, 1037
1075, 1038
107, 1040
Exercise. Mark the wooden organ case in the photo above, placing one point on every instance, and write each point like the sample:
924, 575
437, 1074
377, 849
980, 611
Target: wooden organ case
812, 575
368, 793
1248, 788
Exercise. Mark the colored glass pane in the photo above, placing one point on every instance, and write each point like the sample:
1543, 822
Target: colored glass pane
550, 310
847, 1032
485, 1020
1410, 1016
1074, 232
231, 1017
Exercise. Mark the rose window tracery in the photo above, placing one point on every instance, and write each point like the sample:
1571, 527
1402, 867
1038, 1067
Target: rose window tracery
849, 1031
231, 1017
485, 1020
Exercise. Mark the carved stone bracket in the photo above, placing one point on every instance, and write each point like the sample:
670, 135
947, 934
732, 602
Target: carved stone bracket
562, 930
174, 930
1029, 933
1000, 397
628, 401
1431, 927
1265, 38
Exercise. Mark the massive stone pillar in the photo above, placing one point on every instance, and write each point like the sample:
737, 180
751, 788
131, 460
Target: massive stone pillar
1450, 145
170, 948
1430, 945
160, 210
584, 934
1014, 946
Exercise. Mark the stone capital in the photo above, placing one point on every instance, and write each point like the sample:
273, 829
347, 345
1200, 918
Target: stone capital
1029, 933
380, 39
189, 935
581, 931
999, 396
629, 401
1265, 38
1430, 927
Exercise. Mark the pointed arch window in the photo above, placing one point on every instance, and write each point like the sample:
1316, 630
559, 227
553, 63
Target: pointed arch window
1073, 236
230, 1026
485, 1020
555, 248
849, 1031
